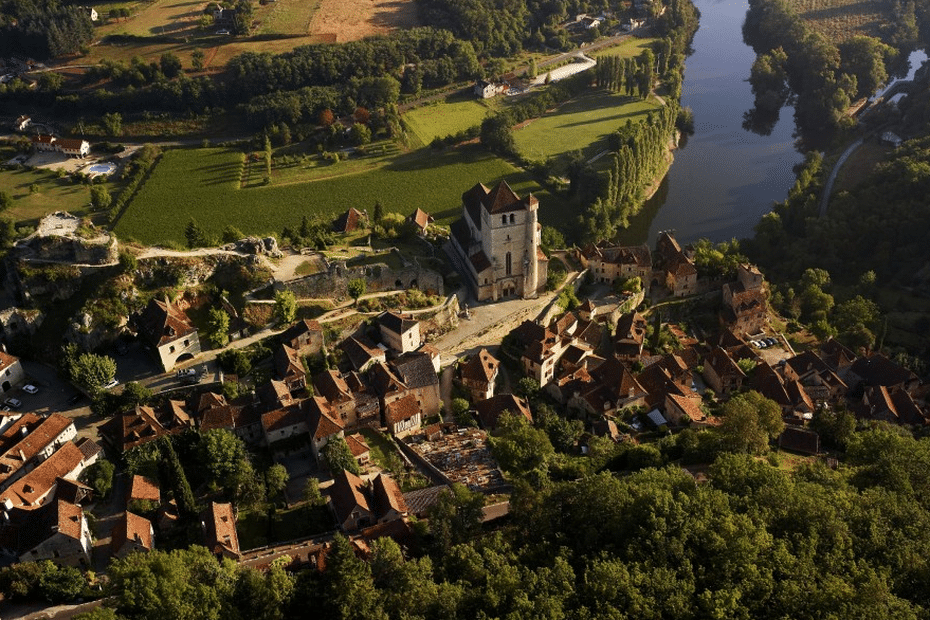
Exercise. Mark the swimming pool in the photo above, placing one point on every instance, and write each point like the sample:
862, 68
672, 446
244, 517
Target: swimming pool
101, 169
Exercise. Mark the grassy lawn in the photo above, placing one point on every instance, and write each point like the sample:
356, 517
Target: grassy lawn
303, 167
208, 192
583, 123
456, 113
54, 194
383, 451
628, 48
390, 259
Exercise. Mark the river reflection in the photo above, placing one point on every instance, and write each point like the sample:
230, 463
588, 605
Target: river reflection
726, 177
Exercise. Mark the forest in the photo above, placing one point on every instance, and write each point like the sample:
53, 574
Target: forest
43, 30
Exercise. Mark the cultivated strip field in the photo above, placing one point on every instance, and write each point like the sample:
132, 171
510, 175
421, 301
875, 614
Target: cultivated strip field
440, 119
202, 183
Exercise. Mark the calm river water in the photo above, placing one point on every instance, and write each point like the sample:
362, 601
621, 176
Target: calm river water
725, 178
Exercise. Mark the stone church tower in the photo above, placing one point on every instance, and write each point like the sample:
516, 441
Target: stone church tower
496, 243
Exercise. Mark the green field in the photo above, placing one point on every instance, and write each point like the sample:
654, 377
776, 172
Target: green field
453, 115
202, 183
54, 194
628, 48
582, 123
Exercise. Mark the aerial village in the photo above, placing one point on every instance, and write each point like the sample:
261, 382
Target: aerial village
367, 427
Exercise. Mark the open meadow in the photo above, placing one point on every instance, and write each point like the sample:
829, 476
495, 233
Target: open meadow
839, 20
583, 122
52, 194
454, 114
627, 48
203, 184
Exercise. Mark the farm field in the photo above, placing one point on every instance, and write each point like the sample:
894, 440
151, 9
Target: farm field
839, 20
455, 114
202, 183
54, 195
338, 21
627, 48
303, 168
289, 17
586, 120
159, 18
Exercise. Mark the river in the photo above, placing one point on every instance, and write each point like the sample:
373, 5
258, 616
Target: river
725, 178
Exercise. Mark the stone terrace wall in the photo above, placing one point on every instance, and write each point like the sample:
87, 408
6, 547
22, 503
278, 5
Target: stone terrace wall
379, 277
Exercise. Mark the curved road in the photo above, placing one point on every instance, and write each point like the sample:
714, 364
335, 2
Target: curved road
828, 187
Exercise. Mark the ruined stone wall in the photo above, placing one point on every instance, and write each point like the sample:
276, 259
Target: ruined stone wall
334, 282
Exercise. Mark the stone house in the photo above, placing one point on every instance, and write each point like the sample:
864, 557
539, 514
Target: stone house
11, 372
399, 333
496, 243
674, 266
687, 410
484, 89
490, 410
362, 353
630, 336
289, 369
721, 373
35, 447
304, 336
745, 309
418, 375
38, 486
358, 504
57, 531
287, 421
322, 425
218, 523
608, 263
479, 374
330, 385
403, 416
169, 331
132, 533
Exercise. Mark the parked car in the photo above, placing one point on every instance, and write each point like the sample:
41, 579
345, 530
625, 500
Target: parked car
30, 389
75, 398
13, 403
185, 372
771, 342
111, 384
222, 31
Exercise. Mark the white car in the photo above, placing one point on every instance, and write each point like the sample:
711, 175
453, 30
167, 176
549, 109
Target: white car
30, 389
111, 384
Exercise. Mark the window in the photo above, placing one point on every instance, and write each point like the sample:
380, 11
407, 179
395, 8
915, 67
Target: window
171, 349
187, 343
504, 219
511, 218
509, 264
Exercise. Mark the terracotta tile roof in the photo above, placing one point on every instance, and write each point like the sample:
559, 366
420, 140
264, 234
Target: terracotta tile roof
348, 221
15, 432
287, 363
691, 406
490, 410
420, 217
322, 424
27, 448
131, 528
616, 378
723, 364
72, 491
384, 381
7, 360
401, 409
348, 493
220, 534
805, 363
210, 399
179, 414
357, 444
769, 383
387, 496
798, 396
129, 430
275, 394
89, 448
218, 417
26, 529
332, 386
161, 323
143, 488
835, 355
26, 491
502, 199
285, 417
481, 367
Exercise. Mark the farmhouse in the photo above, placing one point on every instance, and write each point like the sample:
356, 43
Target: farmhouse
58, 532
421, 219
485, 89
70, 147
11, 371
496, 243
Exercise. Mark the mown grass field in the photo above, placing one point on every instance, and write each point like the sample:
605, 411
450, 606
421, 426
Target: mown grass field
839, 20
455, 114
54, 194
627, 48
581, 123
202, 183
